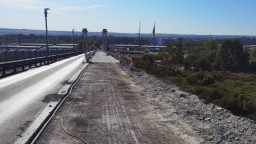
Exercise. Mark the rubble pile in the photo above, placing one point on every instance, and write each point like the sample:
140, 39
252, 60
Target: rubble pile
212, 123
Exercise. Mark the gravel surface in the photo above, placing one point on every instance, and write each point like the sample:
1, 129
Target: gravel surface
106, 107
189, 116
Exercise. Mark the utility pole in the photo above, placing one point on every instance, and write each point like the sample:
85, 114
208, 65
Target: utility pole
85, 39
16, 40
113, 45
139, 35
104, 39
73, 33
47, 47
154, 32
6, 48
56, 40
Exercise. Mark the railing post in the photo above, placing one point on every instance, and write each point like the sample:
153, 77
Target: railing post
3, 74
14, 69
15, 55
22, 67
5, 55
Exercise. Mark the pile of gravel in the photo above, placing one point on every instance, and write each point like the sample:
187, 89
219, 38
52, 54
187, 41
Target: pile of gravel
213, 123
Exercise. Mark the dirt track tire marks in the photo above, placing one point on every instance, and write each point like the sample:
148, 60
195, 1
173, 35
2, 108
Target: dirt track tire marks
109, 110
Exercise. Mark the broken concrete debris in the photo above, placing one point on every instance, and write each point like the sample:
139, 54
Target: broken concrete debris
213, 123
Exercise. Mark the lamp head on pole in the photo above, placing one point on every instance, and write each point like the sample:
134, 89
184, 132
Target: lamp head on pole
45, 11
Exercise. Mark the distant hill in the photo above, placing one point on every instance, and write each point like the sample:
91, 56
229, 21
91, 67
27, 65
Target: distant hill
42, 32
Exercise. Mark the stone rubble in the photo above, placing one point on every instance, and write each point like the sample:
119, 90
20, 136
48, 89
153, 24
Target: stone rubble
213, 123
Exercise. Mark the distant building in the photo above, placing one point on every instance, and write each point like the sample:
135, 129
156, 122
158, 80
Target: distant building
158, 41
249, 47
17, 47
36, 46
119, 47
66, 44
156, 48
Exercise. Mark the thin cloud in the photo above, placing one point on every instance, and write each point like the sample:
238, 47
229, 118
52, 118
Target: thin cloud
94, 7
22, 4
65, 8
39, 5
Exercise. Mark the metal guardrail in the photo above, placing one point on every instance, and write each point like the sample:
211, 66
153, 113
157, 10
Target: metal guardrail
8, 68
88, 55
20, 54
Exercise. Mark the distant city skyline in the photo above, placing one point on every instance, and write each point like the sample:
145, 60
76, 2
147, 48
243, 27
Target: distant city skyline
202, 17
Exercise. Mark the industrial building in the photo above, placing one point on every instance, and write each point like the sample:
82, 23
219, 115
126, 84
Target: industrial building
118, 47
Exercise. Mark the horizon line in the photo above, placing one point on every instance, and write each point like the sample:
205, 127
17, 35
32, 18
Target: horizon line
135, 33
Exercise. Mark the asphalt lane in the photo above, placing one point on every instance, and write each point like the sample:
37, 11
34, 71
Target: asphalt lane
22, 96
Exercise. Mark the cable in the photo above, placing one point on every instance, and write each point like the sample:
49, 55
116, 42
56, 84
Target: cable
63, 114
70, 91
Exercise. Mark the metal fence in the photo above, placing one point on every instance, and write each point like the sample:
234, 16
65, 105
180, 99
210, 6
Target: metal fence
12, 67
13, 55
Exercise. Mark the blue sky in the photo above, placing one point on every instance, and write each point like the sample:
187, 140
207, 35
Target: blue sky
228, 17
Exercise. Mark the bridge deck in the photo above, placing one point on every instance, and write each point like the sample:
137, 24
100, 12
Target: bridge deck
106, 107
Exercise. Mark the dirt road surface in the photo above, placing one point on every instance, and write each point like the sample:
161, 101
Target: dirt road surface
106, 107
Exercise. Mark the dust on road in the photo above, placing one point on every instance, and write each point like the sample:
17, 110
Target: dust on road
105, 107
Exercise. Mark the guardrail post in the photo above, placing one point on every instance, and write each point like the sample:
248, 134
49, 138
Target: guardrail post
29, 64
5, 55
14, 69
22, 67
3, 73
23, 54
15, 55
36, 61
36, 53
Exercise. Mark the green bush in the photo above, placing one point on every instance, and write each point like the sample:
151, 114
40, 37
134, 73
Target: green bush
200, 78
233, 91
217, 75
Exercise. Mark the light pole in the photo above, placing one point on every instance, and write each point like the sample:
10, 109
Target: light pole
85, 39
47, 47
73, 32
104, 39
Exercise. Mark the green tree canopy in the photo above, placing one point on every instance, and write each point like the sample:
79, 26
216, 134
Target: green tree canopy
253, 53
231, 56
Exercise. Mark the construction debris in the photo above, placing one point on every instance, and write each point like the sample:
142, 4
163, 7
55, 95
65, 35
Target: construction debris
184, 111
